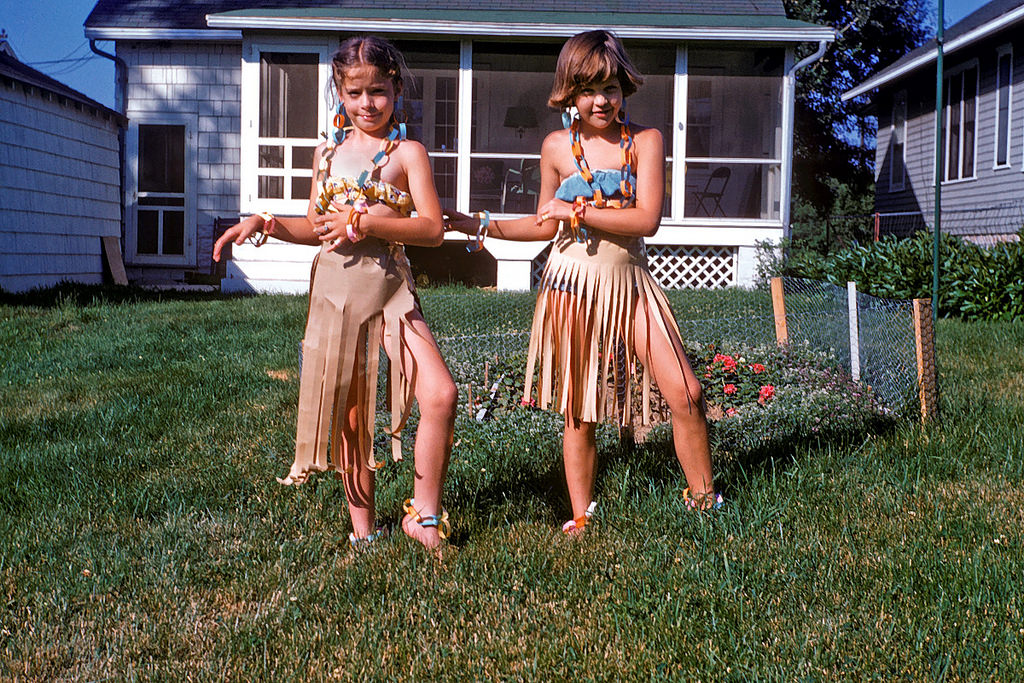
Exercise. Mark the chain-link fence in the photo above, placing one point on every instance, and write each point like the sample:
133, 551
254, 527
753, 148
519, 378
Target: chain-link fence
484, 335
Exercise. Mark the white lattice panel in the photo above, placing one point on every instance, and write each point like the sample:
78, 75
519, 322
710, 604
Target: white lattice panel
682, 267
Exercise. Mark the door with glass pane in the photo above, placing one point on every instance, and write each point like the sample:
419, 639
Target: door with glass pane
161, 220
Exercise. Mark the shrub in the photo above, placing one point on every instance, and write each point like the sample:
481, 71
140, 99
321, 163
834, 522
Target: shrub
976, 283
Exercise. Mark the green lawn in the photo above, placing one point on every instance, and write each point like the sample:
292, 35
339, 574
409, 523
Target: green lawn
142, 534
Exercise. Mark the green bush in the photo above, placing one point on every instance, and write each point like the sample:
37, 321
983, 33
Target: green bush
975, 282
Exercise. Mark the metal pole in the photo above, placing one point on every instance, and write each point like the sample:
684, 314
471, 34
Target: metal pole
937, 219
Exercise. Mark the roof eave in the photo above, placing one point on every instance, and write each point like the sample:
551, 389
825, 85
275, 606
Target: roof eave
139, 33
508, 29
898, 71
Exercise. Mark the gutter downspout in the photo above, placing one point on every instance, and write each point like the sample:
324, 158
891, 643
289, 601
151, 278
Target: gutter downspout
120, 104
787, 158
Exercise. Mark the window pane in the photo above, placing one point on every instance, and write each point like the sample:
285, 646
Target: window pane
431, 95
1003, 115
271, 187
734, 103
302, 157
271, 156
301, 188
148, 232
510, 93
487, 177
444, 178
651, 105
732, 190
161, 158
174, 232
955, 93
970, 114
289, 96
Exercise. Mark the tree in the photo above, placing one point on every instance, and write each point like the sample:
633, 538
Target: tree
833, 157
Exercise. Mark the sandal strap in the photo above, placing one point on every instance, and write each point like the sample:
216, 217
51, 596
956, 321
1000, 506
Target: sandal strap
699, 502
444, 528
361, 542
580, 522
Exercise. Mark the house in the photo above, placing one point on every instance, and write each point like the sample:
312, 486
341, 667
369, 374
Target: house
226, 97
60, 197
982, 137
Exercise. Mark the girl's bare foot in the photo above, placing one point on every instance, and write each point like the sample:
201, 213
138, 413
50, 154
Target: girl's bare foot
427, 536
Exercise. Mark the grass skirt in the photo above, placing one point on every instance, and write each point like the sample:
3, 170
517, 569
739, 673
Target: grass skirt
582, 340
360, 298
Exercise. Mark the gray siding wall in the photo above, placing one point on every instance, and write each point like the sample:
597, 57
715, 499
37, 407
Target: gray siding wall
967, 204
59, 188
201, 79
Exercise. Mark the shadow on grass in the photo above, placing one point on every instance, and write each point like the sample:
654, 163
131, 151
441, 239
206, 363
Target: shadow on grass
71, 293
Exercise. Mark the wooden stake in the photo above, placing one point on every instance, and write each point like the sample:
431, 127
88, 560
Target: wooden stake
854, 316
779, 306
924, 342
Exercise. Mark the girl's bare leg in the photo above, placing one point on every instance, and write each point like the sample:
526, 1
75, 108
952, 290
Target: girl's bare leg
357, 475
682, 391
436, 395
579, 452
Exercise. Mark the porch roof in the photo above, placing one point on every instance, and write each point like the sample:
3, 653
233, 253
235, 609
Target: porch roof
656, 19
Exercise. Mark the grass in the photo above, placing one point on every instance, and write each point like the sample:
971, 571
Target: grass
142, 535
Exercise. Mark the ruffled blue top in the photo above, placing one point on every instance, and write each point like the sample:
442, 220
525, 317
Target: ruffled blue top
606, 180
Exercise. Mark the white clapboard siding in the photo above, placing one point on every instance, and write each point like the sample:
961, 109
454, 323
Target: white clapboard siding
276, 267
59, 188
201, 79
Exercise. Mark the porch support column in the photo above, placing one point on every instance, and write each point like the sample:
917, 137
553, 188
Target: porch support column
515, 260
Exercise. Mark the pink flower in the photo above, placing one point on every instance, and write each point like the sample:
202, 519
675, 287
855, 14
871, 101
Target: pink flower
729, 389
757, 368
730, 412
766, 392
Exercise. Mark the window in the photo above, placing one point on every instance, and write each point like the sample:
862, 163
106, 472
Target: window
958, 125
898, 143
1004, 78
733, 133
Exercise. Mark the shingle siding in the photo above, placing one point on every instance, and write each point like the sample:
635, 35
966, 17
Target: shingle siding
59, 187
204, 80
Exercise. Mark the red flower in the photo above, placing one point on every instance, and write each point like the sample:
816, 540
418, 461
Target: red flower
757, 368
767, 392
729, 365
718, 358
730, 412
729, 389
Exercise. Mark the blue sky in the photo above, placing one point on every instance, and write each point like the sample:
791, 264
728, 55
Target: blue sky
48, 35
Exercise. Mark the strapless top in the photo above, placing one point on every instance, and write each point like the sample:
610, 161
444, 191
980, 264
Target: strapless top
346, 188
605, 179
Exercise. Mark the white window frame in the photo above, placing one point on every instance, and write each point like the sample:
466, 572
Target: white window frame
252, 48
949, 74
1003, 51
188, 258
680, 161
899, 100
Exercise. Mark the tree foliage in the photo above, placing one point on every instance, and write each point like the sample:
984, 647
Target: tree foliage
833, 165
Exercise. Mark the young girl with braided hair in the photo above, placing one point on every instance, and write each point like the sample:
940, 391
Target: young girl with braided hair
599, 311
362, 296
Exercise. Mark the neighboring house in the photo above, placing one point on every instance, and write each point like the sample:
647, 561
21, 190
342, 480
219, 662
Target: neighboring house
225, 102
60, 195
982, 148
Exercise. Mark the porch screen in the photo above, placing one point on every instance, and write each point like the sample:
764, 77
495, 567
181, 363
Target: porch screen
289, 101
431, 106
511, 83
734, 133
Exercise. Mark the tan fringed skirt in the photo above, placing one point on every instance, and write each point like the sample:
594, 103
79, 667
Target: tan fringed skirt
582, 340
360, 298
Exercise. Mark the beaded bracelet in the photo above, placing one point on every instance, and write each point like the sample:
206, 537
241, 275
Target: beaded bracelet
259, 238
481, 232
